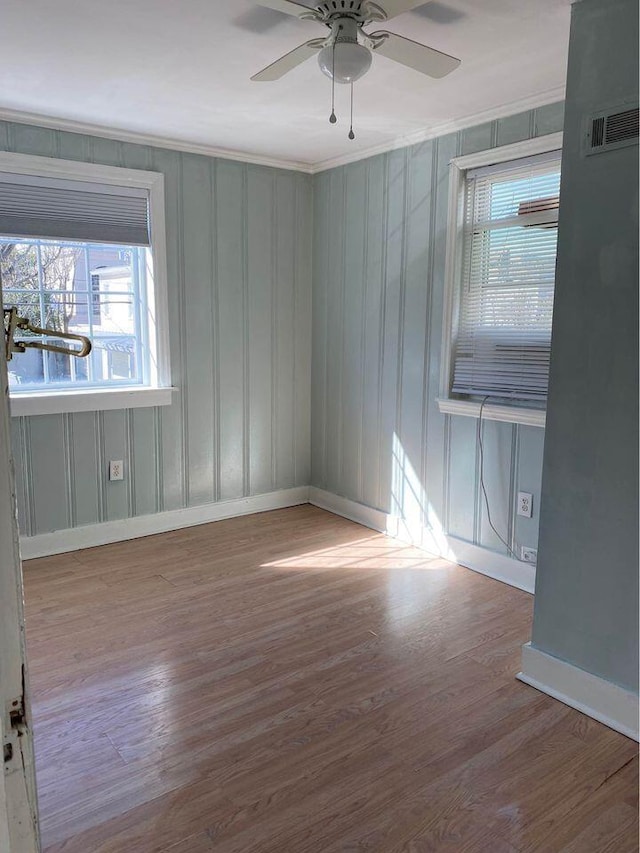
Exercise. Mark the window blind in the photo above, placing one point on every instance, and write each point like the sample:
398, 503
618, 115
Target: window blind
57, 208
503, 340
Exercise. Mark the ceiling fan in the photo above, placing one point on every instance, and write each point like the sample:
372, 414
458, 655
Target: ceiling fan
345, 55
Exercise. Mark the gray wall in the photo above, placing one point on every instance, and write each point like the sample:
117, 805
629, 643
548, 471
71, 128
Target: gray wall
239, 248
377, 435
586, 608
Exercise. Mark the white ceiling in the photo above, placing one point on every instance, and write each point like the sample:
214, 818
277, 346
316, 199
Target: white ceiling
180, 71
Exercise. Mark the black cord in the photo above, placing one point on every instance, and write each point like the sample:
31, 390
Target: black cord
484, 488
351, 133
332, 117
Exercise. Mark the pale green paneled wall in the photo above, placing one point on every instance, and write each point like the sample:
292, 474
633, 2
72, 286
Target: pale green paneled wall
379, 262
239, 249
239, 255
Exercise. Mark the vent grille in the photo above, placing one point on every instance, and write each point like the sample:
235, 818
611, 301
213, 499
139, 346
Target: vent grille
613, 130
622, 126
597, 132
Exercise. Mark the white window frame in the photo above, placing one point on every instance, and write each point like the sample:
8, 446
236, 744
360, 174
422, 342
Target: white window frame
158, 392
458, 169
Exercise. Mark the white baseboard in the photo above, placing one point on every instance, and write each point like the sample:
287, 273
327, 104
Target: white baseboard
494, 565
366, 515
497, 566
606, 702
91, 535
466, 554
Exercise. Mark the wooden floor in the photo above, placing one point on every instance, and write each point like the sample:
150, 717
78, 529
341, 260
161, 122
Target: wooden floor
294, 683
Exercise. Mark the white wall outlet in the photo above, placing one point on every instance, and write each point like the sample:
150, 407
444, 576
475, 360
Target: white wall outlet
116, 470
525, 504
529, 555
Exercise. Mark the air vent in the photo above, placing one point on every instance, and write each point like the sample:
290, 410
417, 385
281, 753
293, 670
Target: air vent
621, 126
597, 132
612, 130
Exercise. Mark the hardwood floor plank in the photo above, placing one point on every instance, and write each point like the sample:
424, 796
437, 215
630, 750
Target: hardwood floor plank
294, 683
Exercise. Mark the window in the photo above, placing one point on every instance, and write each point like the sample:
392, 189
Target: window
69, 287
82, 251
501, 276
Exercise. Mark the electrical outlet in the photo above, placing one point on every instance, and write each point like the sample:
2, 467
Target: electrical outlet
525, 504
116, 470
529, 555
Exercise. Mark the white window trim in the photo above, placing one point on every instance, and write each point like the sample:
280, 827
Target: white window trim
91, 400
458, 168
159, 392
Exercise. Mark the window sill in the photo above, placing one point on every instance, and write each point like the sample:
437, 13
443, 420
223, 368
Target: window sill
506, 414
93, 400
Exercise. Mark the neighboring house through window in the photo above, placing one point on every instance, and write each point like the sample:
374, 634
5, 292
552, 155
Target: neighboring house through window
500, 282
95, 297
82, 250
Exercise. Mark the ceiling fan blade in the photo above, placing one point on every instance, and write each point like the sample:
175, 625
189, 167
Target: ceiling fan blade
397, 7
288, 62
415, 55
290, 8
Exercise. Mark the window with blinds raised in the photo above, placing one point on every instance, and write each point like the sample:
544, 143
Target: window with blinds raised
502, 339
77, 255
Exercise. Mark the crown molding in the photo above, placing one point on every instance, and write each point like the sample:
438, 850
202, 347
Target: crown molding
551, 96
541, 99
72, 126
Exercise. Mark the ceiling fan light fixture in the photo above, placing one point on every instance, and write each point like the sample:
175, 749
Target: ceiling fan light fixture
350, 62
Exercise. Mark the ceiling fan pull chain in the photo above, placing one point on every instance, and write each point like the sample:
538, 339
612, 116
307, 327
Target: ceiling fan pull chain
332, 117
351, 133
